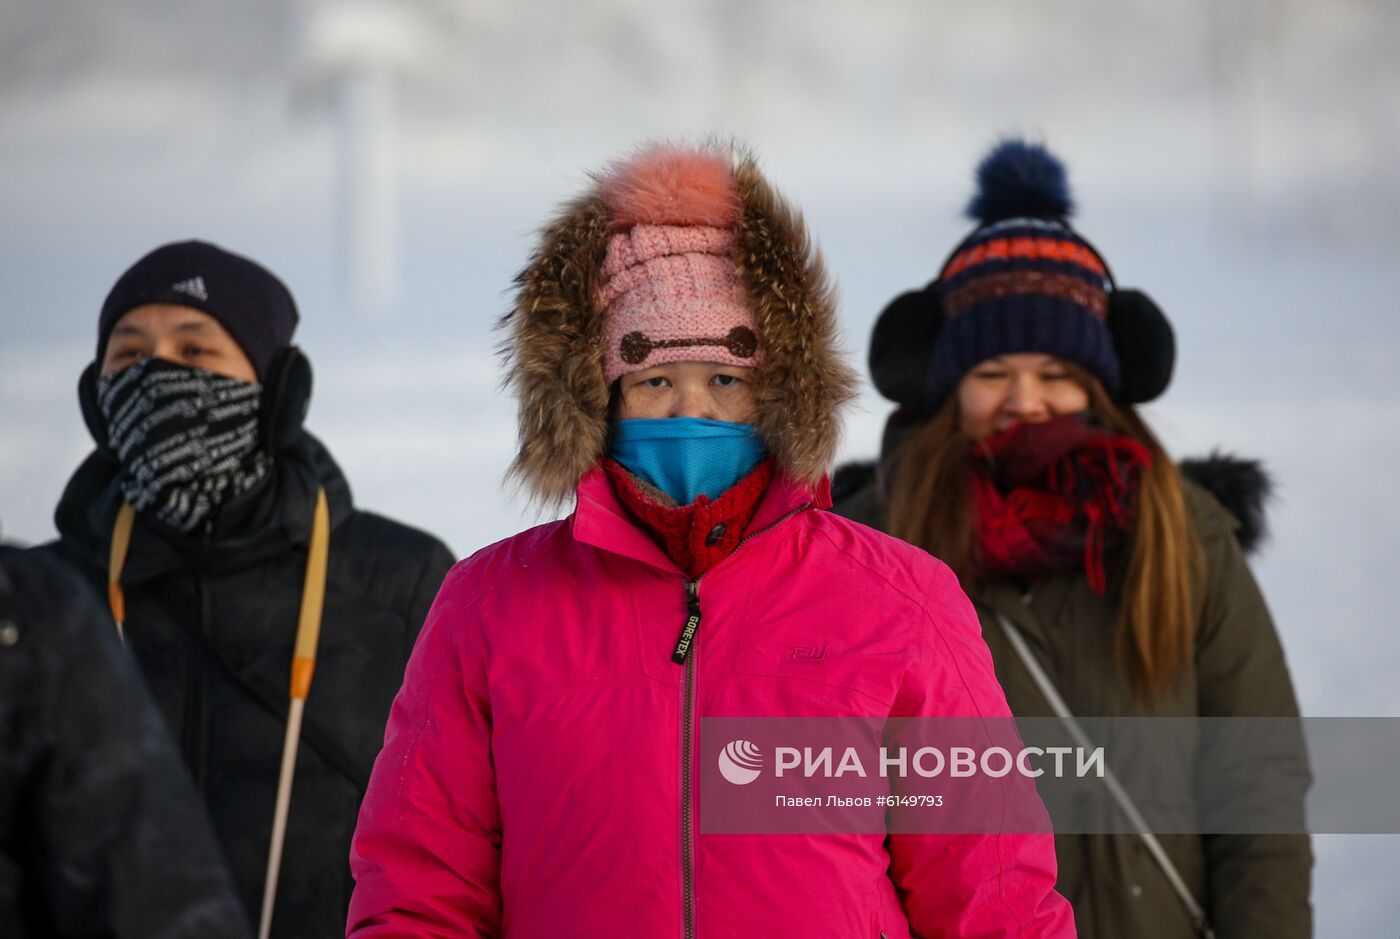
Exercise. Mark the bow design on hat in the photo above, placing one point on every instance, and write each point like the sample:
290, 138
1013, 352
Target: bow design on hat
739, 342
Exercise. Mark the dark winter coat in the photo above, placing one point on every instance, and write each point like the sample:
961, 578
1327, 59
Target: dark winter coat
101, 833
1250, 885
212, 622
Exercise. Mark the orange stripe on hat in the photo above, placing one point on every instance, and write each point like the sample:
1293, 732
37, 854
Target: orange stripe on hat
1027, 247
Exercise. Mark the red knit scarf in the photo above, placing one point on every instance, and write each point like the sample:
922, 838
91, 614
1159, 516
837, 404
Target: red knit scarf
699, 535
1050, 495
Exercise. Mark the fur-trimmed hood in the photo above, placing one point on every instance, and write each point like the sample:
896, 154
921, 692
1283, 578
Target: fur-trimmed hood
553, 353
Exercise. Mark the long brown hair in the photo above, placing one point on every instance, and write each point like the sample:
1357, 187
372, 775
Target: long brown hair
931, 505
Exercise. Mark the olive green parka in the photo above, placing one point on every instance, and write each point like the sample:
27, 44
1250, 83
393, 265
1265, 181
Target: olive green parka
1250, 885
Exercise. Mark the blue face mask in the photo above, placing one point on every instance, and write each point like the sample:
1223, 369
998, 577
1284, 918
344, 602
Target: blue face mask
686, 457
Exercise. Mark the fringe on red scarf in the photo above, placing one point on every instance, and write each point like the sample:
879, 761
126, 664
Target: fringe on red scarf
1052, 496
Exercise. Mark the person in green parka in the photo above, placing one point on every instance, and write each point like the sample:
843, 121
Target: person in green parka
1017, 457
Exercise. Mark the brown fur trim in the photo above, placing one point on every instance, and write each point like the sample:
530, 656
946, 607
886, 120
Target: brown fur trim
803, 381
553, 354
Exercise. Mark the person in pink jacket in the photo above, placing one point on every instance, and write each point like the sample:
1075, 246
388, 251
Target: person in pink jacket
672, 349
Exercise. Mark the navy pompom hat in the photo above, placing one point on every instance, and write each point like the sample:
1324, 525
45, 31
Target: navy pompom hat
246, 298
1023, 281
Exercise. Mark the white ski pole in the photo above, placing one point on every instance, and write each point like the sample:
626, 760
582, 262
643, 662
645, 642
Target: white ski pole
303, 666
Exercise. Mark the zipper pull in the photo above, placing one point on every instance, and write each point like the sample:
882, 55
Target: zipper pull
692, 622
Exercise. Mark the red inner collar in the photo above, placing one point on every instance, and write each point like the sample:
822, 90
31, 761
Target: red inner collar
699, 535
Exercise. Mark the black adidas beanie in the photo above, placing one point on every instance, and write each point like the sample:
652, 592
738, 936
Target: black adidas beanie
246, 298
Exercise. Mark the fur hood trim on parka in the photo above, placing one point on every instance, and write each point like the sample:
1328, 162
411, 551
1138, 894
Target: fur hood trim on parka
553, 353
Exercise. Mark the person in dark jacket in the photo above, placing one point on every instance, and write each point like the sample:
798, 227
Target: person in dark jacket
197, 517
101, 833
1017, 457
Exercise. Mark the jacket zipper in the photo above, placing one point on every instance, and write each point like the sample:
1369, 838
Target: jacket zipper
683, 655
692, 623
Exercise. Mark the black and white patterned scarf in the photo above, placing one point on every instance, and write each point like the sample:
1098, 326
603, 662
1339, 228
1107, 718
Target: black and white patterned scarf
187, 439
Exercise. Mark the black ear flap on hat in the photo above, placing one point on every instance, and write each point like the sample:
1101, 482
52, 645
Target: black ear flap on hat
286, 397
87, 403
901, 344
1145, 344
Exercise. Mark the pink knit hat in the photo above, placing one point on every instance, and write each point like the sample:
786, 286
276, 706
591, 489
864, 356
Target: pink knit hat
670, 291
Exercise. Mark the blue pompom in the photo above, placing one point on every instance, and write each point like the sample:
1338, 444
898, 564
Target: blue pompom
1020, 180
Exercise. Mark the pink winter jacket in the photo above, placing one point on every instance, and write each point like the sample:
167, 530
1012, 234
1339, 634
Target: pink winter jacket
530, 784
